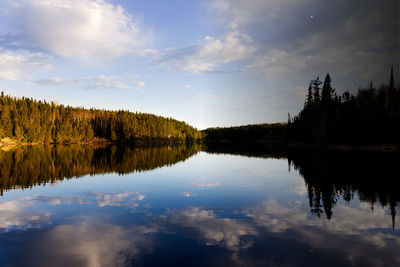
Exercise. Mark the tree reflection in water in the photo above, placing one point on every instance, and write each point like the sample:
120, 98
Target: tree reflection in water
38, 165
331, 175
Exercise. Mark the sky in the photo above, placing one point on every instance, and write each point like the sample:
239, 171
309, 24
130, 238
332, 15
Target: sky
207, 62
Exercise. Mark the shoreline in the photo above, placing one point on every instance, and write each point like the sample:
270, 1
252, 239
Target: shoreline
7, 144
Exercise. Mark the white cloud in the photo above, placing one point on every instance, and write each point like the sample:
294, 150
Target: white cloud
126, 81
292, 221
208, 55
186, 194
54, 200
117, 199
214, 230
14, 217
14, 66
348, 226
84, 29
140, 197
187, 86
102, 245
109, 82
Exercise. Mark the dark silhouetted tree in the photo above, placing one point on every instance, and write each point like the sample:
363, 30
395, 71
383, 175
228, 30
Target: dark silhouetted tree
327, 93
391, 81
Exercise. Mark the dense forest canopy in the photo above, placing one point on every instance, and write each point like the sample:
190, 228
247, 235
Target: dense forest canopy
250, 134
28, 120
371, 117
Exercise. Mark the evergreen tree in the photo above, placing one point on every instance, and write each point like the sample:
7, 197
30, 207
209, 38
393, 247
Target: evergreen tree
315, 84
5, 122
327, 93
28, 120
309, 95
371, 117
391, 82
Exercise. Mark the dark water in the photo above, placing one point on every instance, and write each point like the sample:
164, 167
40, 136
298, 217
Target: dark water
180, 206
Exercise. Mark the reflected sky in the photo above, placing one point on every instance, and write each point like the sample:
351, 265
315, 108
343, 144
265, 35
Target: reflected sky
208, 210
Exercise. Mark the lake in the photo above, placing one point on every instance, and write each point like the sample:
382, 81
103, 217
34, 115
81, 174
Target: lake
196, 206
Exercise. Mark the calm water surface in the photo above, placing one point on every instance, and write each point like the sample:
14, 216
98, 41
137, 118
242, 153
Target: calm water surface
119, 206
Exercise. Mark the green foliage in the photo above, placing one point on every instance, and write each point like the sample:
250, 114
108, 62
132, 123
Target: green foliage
28, 120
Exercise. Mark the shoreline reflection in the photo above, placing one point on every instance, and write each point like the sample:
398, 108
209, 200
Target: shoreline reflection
212, 210
26, 167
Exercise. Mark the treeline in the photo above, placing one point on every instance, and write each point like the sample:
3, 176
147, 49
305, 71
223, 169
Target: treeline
28, 120
248, 134
331, 175
25, 167
371, 117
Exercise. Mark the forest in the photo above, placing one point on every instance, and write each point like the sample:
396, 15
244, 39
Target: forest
248, 134
29, 121
371, 117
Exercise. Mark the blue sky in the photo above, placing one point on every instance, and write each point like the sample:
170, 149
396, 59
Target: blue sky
209, 63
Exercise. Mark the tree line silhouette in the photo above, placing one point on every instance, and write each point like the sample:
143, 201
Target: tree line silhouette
371, 117
247, 134
330, 176
25, 167
28, 120
333, 175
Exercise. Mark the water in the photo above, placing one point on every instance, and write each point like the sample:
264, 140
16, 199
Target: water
120, 206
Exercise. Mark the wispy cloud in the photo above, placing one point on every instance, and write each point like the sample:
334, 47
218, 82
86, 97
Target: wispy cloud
208, 55
127, 81
15, 66
58, 81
